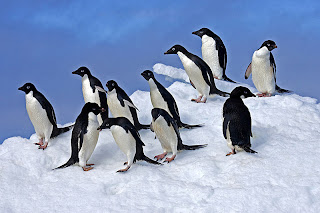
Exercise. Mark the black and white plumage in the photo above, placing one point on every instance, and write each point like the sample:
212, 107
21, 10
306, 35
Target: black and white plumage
42, 115
84, 136
237, 121
128, 139
167, 131
121, 105
161, 98
90, 92
263, 69
199, 73
214, 53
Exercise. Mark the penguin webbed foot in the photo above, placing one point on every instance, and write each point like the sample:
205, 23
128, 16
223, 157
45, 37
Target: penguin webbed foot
264, 95
161, 156
43, 146
87, 168
124, 170
90, 164
233, 152
40, 143
170, 159
198, 100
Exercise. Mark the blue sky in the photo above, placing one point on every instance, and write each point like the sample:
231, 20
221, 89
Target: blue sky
44, 41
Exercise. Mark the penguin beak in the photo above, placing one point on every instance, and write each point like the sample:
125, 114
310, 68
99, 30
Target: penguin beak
275, 46
144, 75
167, 52
75, 72
20, 88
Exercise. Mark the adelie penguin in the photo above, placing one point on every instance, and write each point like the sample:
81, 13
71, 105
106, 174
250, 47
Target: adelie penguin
128, 140
237, 121
214, 53
161, 98
199, 72
84, 136
121, 105
167, 132
91, 93
263, 69
42, 115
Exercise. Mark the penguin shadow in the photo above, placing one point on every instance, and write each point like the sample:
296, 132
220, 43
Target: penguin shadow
260, 137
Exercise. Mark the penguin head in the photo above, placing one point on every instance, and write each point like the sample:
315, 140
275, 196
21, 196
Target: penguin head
147, 74
175, 49
82, 71
27, 87
105, 125
269, 44
92, 107
155, 112
202, 32
241, 92
111, 85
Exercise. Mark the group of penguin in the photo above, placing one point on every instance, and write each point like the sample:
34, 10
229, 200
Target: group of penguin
166, 120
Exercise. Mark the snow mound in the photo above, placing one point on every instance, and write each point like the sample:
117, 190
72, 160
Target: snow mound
282, 177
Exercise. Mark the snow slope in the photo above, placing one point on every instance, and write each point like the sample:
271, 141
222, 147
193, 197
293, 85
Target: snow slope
283, 177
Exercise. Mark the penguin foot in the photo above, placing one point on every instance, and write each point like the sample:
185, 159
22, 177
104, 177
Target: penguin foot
198, 100
170, 159
87, 168
124, 170
43, 146
125, 163
40, 143
233, 152
264, 95
161, 156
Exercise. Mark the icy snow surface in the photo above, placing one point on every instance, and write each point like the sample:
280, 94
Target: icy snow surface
283, 177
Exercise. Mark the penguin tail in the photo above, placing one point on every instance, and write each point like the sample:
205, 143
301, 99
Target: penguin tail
224, 77
189, 126
69, 163
58, 131
193, 147
280, 90
247, 149
143, 126
145, 158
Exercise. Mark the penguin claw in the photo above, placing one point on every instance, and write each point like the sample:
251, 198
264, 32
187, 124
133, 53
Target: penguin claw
125, 163
233, 152
170, 159
160, 157
124, 170
43, 147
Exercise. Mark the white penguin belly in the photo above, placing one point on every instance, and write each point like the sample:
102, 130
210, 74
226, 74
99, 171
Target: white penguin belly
195, 75
156, 98
166, 135
38, 117
90, 140
125, 141
262, 74
210, 56
116, 109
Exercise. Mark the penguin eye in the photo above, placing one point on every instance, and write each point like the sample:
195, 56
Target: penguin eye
173, 49
82, 70
268, 44
113, 84
28, 87
149, 74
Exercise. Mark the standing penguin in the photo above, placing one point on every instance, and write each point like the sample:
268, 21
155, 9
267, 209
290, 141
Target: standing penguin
161, 98
90, 93
84, 136
42, 115
121, 105
199, 73
237, 121
128, 140
263, 69
167, 132
214, 53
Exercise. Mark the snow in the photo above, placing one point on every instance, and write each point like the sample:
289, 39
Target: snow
282, 177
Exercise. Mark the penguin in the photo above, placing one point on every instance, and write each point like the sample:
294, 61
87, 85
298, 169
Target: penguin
263, 69
121, 105
128, 140
42, 115
90, 93
214, 53
167, 132
237, 121
84, 136
199, 73
161, 98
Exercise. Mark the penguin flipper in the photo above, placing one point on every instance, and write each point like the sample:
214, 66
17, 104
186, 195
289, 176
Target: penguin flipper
248, 72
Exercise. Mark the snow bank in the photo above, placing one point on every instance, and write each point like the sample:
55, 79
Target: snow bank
282, 177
